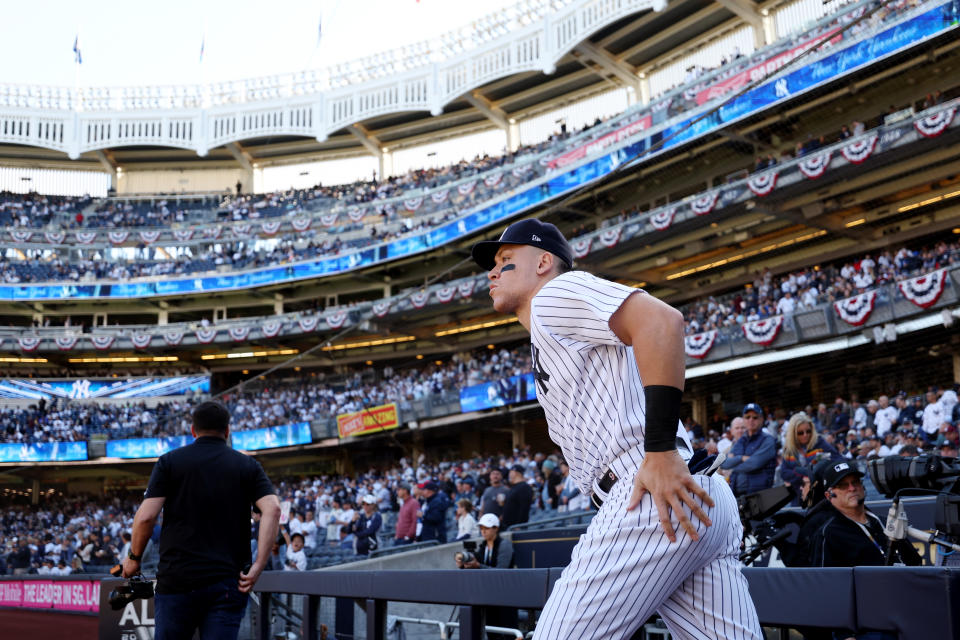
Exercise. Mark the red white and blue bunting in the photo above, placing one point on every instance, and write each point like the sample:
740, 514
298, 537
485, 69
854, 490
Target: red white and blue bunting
271, 227
336, 320
102, 343
21, 236
141, 340
419, 299
381, 309
308, 323
934, 125
445, 294
65, 343
466, 288
239, 334
271, 328
925, 290
173, 338
29, 343
118, 237
855, 310
494, 180
356, 214
149, 237
466, 188
699, 344
183, 234
329, 219
662, 220
581, 247
206, 336
814, 166
55, 237
85, 237
300, 224
413, 204
860, 149
213, 232
241, 230
705, 203
610, 237
439, 196
763, 332
763, 183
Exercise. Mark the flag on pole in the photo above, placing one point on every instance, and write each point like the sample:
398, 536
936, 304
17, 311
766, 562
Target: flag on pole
319, 29
76, 50
203, 44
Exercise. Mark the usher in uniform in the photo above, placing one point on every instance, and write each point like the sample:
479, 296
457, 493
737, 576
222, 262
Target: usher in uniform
624, 567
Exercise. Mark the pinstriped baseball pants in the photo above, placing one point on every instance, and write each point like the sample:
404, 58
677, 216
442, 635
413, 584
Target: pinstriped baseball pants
624, 568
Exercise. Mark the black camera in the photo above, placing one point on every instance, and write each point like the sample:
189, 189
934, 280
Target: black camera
136, 588
469, 552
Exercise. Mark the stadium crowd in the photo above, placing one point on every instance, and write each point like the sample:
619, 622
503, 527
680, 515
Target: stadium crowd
260, 405
331, 519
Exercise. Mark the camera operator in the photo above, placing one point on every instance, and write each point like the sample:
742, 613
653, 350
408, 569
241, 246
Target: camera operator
851, 535
205, 490
494, 552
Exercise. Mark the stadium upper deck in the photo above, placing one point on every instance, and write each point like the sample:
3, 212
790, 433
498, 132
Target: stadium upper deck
694, 255
502, 71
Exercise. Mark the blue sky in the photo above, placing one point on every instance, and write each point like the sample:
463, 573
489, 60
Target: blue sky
130, 42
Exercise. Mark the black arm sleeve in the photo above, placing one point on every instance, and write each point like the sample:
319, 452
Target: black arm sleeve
662, 417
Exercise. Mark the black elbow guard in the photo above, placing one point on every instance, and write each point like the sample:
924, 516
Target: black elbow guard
662, 417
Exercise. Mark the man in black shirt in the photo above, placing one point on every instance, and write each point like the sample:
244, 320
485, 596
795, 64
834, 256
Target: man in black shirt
206, 491
516, 506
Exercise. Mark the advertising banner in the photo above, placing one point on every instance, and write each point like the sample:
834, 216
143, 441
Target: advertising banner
371, 420
286, 435
43, 452
499, 393
35, 389
145, 447
61, 595
601, 143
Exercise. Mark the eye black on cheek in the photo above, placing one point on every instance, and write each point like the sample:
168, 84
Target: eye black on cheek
507, 267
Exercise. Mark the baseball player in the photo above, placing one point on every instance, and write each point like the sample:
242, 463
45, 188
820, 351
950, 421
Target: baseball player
608, 364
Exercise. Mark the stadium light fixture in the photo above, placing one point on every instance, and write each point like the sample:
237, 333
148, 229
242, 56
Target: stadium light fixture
115, 359
249, 354
368, 343
24, 360
854, 223
475, 327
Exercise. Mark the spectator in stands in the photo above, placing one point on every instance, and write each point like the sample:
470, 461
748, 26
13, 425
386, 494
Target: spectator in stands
494, 551
20, 558
932, 416
493, 498
570, 497
753, 458
296, 559
365, 526
803, 448
885, 417
733, 433
406, 530
465, 490
466, 523
516, 506
434, 513
309, 530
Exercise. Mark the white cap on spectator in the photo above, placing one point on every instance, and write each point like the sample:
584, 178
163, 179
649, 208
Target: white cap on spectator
489, 520
369, 499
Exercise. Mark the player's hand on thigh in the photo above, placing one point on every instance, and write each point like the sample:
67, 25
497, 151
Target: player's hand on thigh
664, 475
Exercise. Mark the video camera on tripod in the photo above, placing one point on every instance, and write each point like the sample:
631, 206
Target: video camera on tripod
924, 474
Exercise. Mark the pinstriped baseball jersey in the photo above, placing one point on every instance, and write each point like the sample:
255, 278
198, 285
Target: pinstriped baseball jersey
587, 379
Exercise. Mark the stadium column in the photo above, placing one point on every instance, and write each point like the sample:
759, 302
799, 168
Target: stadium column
698, 409
35, 494
749, 12
497, 116
278, 304
956, 366
518, 433
245, 160
373, 145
